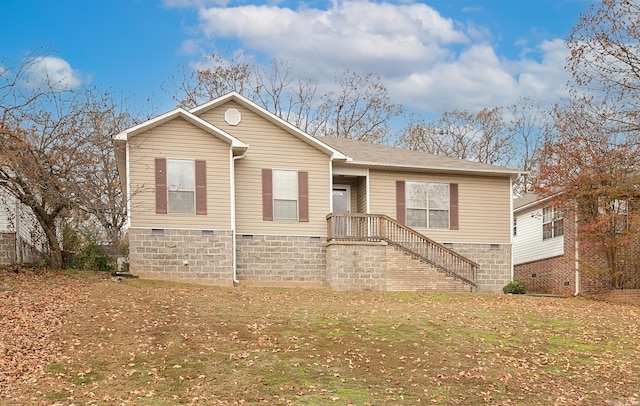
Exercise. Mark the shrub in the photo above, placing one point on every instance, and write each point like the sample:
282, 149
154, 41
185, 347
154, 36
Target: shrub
515, 287
93, 257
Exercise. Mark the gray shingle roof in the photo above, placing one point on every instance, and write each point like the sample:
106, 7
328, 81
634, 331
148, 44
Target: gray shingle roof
531, 199
383, 156
525, 200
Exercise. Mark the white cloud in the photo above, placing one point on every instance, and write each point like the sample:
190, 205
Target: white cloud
191, 47
427, 61
474, 80
339, 36
545, 80
54, 71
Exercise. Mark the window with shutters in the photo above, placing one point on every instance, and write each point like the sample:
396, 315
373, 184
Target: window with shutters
285, 195
181, 188
427, 205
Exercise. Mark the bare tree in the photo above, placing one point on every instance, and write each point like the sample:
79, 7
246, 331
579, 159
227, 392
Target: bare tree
529, 124
287, 96
47, 137
480, 137
99, 193
273, 87
605, 63
213, 78
361, 109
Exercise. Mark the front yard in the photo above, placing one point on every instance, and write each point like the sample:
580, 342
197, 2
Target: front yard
86, 339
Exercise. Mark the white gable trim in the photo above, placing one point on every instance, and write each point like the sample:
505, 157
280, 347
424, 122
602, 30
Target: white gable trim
335, 154
193, 119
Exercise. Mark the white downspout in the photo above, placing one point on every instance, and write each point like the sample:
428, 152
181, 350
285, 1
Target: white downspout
330, 186
233, 213
128, 181
576, 246
511, 224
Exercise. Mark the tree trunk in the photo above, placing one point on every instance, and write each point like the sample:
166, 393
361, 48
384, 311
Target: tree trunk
55, 252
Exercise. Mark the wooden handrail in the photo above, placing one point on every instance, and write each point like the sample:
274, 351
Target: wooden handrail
379, 227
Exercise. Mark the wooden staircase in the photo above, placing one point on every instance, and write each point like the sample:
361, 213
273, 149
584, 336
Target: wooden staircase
378, 227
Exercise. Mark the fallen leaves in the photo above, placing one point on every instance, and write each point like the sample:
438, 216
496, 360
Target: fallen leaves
33, 306
69, 340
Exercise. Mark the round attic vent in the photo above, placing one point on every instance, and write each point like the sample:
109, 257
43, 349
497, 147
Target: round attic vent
232, 116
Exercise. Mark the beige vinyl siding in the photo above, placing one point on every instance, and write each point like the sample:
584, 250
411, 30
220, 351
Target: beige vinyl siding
270, 147
362, 195
182, 140
484, 205
353, 196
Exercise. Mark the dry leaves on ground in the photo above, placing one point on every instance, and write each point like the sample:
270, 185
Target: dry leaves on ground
79, 340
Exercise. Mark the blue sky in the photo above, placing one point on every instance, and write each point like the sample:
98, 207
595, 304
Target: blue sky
431, 55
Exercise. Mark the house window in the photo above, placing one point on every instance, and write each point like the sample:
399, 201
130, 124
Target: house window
515, 226
180, 185
618, 214
285, 195
552, 223
427, 205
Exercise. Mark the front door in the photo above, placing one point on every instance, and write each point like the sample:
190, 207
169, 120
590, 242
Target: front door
341, 199
341, 205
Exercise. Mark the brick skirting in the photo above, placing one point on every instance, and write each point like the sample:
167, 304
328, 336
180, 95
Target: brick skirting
494, 261
353, 265
205, 256
202, 256
269, 260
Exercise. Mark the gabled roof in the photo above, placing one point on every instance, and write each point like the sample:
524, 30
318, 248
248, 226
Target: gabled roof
235, 143
272, 118
385, 157
530, 200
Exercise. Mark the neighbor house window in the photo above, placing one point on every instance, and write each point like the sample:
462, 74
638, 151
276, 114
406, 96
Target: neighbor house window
427, 205
285, 195
617, 213
515, 226
552, 223
181, 185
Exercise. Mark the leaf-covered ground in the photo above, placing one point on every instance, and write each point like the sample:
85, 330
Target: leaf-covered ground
83, 339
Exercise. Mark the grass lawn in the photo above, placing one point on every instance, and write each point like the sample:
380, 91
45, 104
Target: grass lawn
86, 339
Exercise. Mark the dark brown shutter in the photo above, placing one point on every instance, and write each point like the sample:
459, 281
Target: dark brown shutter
267, 195
201, 187
161, 186
303, 196
400, 202
453, 206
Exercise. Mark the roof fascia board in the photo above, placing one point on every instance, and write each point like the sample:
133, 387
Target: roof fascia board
511, 173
